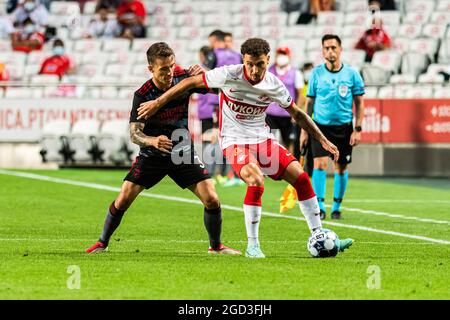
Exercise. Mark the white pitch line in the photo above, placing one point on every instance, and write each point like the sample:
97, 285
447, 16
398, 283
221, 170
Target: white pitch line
418, 201
178, 199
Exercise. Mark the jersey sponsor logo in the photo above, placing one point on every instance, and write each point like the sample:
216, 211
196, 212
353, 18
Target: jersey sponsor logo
343, 91
244, 109
264, 99
233, 90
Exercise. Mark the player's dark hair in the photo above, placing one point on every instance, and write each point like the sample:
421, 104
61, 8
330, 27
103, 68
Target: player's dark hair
58, 42
331, 36
159, 50
227, 34
219, 34
255, 47
205, 50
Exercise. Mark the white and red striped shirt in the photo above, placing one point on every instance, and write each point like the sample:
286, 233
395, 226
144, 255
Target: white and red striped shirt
243, 103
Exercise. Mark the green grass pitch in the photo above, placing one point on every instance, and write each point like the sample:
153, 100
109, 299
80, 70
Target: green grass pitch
159, 251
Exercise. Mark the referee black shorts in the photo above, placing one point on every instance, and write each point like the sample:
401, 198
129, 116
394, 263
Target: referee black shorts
340, 137
147, 171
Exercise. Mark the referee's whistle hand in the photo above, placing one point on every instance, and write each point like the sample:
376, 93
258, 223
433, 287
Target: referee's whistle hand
355, 138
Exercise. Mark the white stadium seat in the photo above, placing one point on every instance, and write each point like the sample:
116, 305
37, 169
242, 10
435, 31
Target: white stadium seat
188, 20
414, 63
183, 7
117, 69
89, 7
419, 92
444, 51
54, 140
374, 75
354, 31
401, 45
246, 7
116, 45
435, 68
244, 20
161, 33
424, 45
443, 6
330, 18
5, 45
356, 18
416, 17
82, 140
370, 92
354, 57
270, 32
95, 57
402, 78
88, 45
410, 30
64, 8
91, 70
356, 6
322, 30
390, 18
440, 17
387, 59
386, 92
44, 79
442, 92
431, 78
268, 7
279, 20
434, 30
112, 141
141, 45
299, 31
419, 6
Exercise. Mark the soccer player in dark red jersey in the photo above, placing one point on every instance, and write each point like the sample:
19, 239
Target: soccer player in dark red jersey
161, 153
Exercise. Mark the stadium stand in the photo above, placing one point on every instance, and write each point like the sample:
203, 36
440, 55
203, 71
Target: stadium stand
113, 68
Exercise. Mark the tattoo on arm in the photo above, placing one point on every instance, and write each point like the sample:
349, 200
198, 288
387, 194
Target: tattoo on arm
137, 134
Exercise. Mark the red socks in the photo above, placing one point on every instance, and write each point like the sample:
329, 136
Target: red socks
253, 196
304, 187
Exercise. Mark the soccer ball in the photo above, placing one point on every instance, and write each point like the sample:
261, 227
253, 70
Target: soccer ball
323, 243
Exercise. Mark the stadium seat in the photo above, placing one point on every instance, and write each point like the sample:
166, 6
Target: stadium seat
402, 78
349, 43
242, 33
390, 18
116, 45
444, 51
44, 79
354, 31
440, 17
216, 20
419, 6
370, 92
54, 141
31, 70
83, 141
387, 59
416, 17
315, 57
434, 30
18, 92
112, 141
414, 63
431, 78
188, 20
160, 33
442, 92
189, 33
183, 7
270, 32
299, 31
86, 45
324, 29
16, 71
354, 57
443, 6
13, 57
64, 8
401, 45
386, 92
426, 46
245, 7
330, 18
435, 68
314, 44
91, 70
374, 75
279, 20
356, 18
123, 57
141, 45
410, 30
94, 57
419, 92
244, 20
89, 7
5, 45
117, 69
356, 6
126, 93
297, 46
268, 7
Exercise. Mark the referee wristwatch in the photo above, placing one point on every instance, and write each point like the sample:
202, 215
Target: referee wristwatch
358, 129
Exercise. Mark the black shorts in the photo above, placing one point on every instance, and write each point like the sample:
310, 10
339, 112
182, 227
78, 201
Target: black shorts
207, 124
148, 171
283, 124
340, 137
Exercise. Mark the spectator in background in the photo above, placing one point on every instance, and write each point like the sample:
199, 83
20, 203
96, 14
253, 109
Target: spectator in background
59, 63
383, 4
29, 38
228, 39
4, 74
30, 9
374, 39
102, 26
277, 117
131, 17
11, 5
310, 8
111, 5
220, 54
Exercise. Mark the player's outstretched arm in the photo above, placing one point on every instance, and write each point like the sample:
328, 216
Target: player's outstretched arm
138, 137
306, 123
149, 108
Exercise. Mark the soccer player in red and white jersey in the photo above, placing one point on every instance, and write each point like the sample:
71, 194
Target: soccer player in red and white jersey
246, 90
